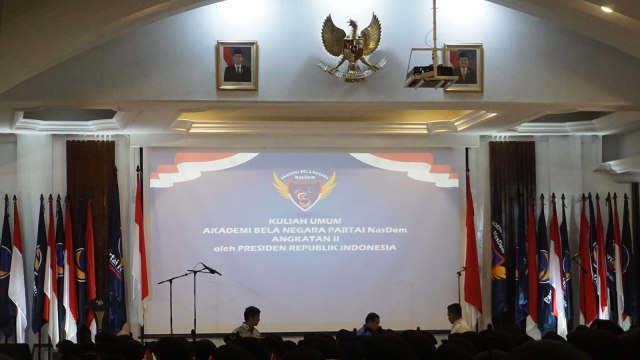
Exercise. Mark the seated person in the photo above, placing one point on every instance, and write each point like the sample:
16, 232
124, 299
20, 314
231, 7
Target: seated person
454, 313
371, 325
251, 320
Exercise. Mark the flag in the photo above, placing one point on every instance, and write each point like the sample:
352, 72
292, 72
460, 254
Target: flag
51, 279
498, 257
556, 275
618, 262
139, 259
630, 286
17, 281
40, 304
522, 296
70, 295
593, 251
80, 225
117, 305
588, 304
90, 270
7, 308
546, 320
602, 264
532, 275
610, 258
566, 267
60, 274
472, 291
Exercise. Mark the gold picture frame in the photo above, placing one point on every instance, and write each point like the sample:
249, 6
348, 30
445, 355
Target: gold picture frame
237, 65
471, 79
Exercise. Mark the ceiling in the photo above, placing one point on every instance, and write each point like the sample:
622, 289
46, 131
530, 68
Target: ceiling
27, 30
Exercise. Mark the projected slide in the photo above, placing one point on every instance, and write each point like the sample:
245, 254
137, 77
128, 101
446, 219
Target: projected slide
315, 240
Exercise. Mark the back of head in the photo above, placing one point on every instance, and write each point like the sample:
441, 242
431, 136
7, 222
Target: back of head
553, 336
327, 346
203, 349
546, 350
172, 349
387, 346
491, 355
457, 349
600, 344
495, 340
423, 345
254, 346
304, 354
607, 325
232, 352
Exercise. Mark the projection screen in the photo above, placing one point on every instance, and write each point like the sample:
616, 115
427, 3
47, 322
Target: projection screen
315, 240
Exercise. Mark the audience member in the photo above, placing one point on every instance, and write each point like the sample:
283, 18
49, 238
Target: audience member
251, 320
454, 313
546, 350
172, 349
232, 352
387, 346
203, 349
371, 325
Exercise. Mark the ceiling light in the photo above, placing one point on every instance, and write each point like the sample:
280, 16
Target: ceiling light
606, 9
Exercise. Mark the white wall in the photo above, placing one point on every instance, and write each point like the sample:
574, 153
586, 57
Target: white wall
526, 59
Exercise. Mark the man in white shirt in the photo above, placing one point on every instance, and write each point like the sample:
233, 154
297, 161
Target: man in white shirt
251, 320
454, 313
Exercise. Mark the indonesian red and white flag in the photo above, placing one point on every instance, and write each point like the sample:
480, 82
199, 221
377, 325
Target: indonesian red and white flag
70, 297
556, 274
51, 278
472, 290
16, 281
139, 258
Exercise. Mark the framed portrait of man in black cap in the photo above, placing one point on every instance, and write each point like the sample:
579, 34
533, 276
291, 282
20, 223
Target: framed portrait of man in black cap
468, 65
237, 65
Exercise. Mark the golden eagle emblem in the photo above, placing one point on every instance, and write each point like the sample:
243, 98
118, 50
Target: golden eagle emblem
304, 194
352, 48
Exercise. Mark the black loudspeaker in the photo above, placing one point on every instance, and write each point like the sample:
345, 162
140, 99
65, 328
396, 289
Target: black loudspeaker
16, 351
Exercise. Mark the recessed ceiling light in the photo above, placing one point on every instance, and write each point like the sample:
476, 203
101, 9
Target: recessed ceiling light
606, 9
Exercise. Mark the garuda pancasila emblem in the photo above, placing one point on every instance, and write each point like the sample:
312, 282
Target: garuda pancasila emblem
352, 49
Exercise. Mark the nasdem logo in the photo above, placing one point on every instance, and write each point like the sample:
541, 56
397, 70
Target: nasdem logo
304, 187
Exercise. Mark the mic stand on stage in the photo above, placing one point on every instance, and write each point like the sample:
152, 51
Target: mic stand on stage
195, 272
170, 281
459, 273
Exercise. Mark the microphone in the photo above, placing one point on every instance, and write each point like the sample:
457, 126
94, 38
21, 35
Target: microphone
213, 271
462, 269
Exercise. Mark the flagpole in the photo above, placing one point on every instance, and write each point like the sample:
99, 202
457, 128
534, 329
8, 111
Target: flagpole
141, 181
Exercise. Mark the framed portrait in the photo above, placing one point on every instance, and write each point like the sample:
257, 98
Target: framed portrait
237, 65
467, 61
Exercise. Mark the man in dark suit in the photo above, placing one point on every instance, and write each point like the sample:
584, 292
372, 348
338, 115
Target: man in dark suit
466, 74
237, 71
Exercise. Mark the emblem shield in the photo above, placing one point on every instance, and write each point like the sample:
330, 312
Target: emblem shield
305, 194
353, 49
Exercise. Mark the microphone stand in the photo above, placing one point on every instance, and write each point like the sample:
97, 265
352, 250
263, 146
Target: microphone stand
459, 273
195, 272
170, 281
